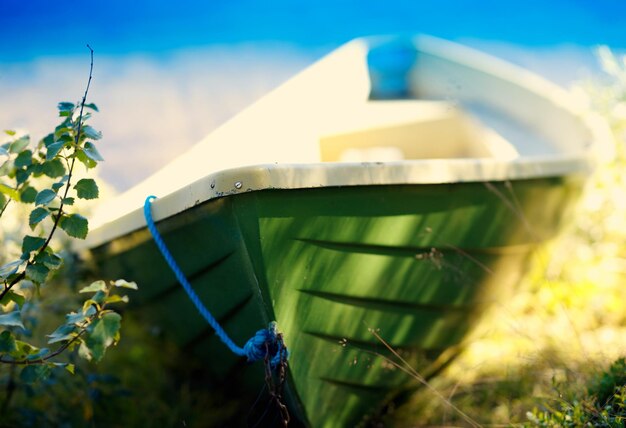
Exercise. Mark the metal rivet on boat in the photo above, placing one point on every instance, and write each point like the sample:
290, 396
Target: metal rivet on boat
238, 185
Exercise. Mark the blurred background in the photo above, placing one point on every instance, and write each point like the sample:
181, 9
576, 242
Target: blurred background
167, 73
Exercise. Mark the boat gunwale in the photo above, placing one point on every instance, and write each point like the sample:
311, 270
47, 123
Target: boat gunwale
256, 178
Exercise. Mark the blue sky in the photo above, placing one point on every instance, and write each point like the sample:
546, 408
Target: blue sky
40, 27
167, 73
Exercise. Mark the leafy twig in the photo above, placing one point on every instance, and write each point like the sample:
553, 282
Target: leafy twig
76, 141
58, 351
59, 215
17, 279
5, 207
92, 329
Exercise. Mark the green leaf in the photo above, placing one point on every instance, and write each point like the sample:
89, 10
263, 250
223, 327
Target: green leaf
47, 140
65, 105
36, 168
68, 201
6, 168
92, 153
37, 216
92, 106
49, 259
32, 243
9, 191
91, 133
87, 188
88, 304
19, 144
65, 136
85, 160
54, 149
103, 333
56, 186
67, 366
34, 373
12, 319
7, 342
10, 268
116, 299
111, 323
67, 123
63, 129
65, 108
23, 350
37, 272
99, 297
94, 287
9, 132
24, 159
84, 351
63, 333
79, 318
22, 175
12, 296
45, 197
89, 312
75, 225
28, 195
53, 168
3, 200
38, 355
125, 284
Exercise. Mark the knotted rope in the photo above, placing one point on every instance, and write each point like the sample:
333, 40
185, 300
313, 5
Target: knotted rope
265, 344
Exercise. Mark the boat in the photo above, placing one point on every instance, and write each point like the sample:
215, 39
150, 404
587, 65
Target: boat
383, 197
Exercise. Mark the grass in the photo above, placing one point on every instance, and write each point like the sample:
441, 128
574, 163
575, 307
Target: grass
538, 358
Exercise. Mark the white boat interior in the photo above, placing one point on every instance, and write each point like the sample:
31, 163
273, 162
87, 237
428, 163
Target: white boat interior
442, 113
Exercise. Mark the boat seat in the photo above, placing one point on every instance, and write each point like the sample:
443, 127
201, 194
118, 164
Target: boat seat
383, 131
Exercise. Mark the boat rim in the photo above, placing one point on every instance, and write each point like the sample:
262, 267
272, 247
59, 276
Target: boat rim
261, 177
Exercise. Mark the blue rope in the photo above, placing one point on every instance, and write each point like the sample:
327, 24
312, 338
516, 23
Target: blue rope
264, 342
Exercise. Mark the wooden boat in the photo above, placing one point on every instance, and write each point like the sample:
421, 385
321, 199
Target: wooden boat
395, 185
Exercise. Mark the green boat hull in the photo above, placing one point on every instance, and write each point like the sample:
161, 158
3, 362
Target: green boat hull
416, 263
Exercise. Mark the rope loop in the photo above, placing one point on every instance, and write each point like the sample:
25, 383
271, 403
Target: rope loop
267, 344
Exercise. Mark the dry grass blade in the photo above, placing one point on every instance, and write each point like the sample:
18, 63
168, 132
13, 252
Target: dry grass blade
407, 368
